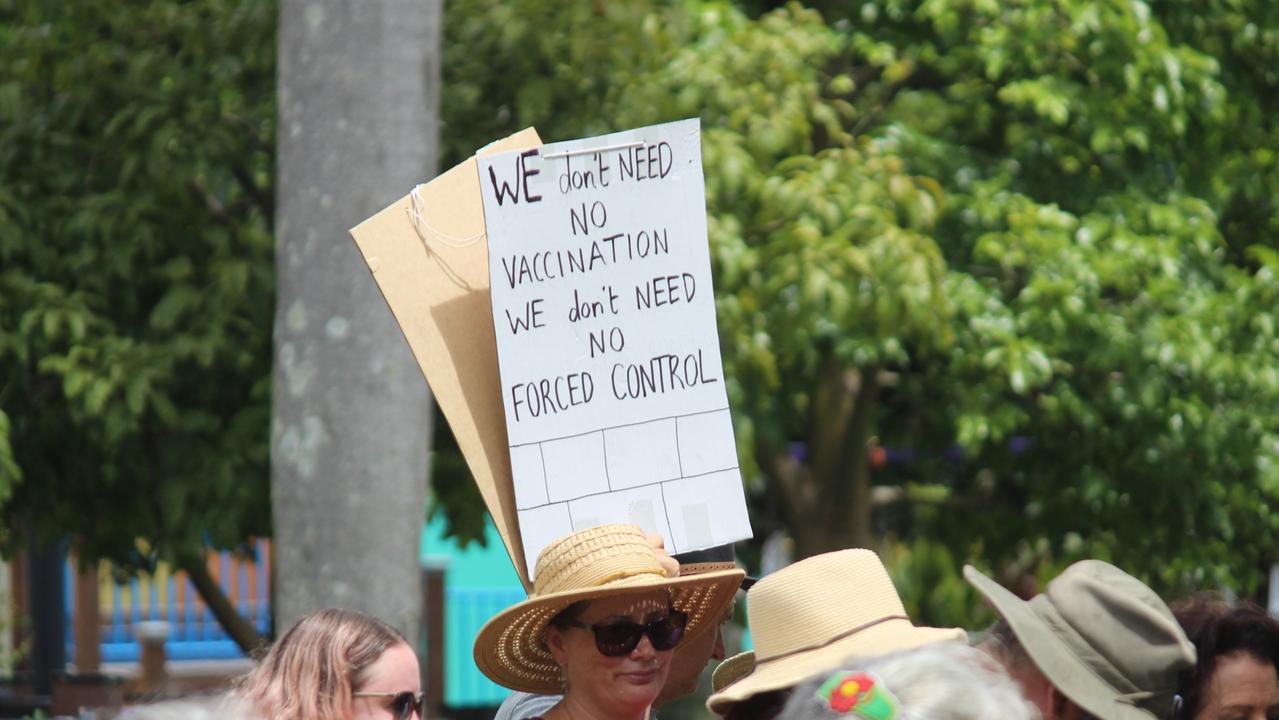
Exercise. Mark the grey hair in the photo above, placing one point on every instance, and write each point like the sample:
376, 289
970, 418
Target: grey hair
941, 681
1001, 642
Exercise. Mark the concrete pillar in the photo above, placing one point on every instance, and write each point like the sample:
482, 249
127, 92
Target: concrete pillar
351, 412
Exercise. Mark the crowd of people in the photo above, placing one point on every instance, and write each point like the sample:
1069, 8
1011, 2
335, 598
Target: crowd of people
615, 627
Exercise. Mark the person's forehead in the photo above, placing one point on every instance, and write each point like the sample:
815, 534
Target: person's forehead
395, 670
1244, 680
628, 605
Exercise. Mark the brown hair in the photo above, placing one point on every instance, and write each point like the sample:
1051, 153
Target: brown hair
564, 619
311, 671
1217, 629
760, 706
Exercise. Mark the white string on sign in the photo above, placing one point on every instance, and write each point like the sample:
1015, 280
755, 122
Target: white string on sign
423, 227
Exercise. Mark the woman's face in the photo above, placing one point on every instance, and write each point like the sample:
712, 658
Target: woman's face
396, 671
1242, 687
622, 684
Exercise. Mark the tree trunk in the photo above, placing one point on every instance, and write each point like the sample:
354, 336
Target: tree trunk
351, 413
825, 499
854, 466
240, 630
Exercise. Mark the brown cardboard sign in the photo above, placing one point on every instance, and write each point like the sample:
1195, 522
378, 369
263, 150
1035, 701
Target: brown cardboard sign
428, 253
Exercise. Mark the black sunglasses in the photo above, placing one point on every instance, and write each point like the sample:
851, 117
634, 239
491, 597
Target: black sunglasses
619, 637
403, 704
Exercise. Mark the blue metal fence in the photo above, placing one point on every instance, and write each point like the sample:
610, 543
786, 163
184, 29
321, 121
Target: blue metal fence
194, 634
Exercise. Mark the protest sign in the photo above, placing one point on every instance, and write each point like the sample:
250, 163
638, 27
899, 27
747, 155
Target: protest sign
612, 384
427, 253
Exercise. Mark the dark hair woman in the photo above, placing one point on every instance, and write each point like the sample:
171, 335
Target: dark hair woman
1237, 673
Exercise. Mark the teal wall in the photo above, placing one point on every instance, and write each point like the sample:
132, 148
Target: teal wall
479, 582
474, 566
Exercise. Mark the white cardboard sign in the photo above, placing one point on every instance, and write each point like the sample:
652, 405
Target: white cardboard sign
608, 352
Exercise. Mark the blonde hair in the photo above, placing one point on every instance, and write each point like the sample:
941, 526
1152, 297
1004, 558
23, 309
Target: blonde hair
311, 671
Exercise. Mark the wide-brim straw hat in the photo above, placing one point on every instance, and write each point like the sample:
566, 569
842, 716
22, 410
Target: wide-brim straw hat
1101, 637
589, 564
812, 616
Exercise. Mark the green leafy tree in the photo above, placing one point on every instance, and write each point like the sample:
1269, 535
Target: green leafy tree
136, 278
509, 65
10, 473
1031, 247
988, 225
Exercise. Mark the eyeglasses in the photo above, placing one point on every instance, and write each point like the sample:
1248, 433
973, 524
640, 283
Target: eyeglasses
619, 637
403, 704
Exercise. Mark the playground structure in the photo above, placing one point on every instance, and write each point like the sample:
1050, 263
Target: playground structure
105, 620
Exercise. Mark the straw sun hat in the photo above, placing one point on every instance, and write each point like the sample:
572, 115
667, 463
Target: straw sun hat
589, 564
812, 616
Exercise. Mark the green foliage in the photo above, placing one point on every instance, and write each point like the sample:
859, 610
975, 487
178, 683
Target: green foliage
136, 275
1103, 309
1047, 231
10, 473
454, 494
929, 577
509, 65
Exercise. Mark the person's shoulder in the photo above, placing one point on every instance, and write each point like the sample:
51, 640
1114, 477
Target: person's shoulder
526, 706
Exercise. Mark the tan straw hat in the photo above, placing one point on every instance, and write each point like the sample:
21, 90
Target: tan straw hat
1101, 637
731, 670
593, 563
813, 615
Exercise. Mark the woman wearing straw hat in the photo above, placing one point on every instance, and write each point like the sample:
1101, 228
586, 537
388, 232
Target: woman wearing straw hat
601, 624
690, 656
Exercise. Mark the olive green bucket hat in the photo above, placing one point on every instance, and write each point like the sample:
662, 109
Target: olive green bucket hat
1101, 637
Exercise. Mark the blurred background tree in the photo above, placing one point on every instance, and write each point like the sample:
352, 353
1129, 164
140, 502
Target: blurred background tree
136, 279
996, 281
